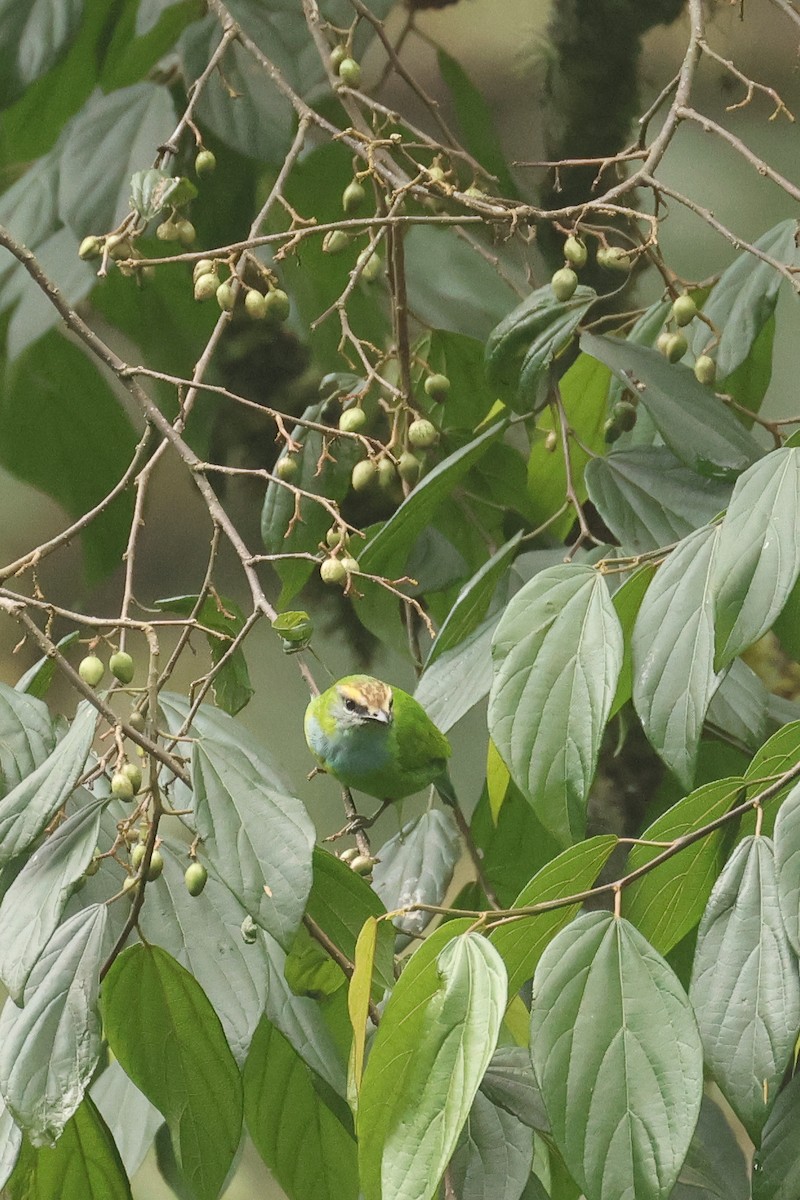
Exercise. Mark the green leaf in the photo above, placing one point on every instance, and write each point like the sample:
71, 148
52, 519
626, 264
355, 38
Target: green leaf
459, 678
648, 499
37, 679
523, 347
304, 1144
696, 426
131, 1119
627, 601
32, 39
34, 314
27, 736
749, 382
460, 358
745, 988
152, 190
744, 298
715, 1167
169, 1040
340, 902
739, 706
776, 1165
416, 867
779, 754
434, 1042
84, 1164
510, 1084
494, 1156
787, 864
558, 653
54, 386
258, 840
521, 943
673, 653
616, 1051
232, 687
477, 125
10, 1143
667, 902
473, 601
142, 34
758, 557
27, 808
388, 550
50, 1047
34, 904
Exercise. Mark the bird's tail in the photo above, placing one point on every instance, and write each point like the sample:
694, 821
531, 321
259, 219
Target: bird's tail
447, 793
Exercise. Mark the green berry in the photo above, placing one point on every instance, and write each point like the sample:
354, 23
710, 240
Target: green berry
90, 247
94, 865
575, 251
564, 283
91, 670
611, 431
409, 467
661, 341
156, 865
136, 721
119, 247
362, 865
134, 773
436, 174
187, 233
352, 420
336, 537
131, 884
353, 197
624, 415
137, 855
475, 193
364, 475
437, 387
675, 347
121, 786
349, 563
422, 434
371, 268
121, 666
705, 369
349, 854
287, 467
335, 241
551, 441
277, 303
204, 266
195, 878
349, 72
225, 296
387, 474
256, 305
167, 231
206, 162
332, 572
206, 287
684, 310
613, 258
338, 55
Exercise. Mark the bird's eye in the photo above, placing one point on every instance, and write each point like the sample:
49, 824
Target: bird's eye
350, 705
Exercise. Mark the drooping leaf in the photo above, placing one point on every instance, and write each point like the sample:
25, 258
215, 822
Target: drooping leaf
493, 1158
27, 736
232, 687
616, 1051
673, 653
459, 678
37, 679
739, 706
32, 39
416, 867
776, 1166
787, 864
758, 556
778, 755
715, 1167
340, 902
434, 1042
627, 601
745, 987
475, 118
696, 426
472, 603
49, 1048
165, 1033
131, 1118
557, 653
510, 1084
10, 1143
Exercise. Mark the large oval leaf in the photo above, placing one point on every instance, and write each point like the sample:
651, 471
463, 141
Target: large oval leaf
617, 1054
558, 653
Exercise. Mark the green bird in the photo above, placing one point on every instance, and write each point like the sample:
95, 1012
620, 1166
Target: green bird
378, 740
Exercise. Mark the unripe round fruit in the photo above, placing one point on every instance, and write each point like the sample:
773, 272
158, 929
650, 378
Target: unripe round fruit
575, 251
167, 231
203, 266
206, 287
436, 174
225, 296
422, 434
364, 475
186, 232
349, 854
147, 272
277, 303
338, 55
350, 72
564, 283
475, 192
409, 467
335, 241
136, 721
121, 666
387, 474
336, 537
119, 247
624, 415
256, 305
195, 878
134, 773
156, 865
684, 310
332, 572
613, 258
130, 884
287, 467
91, 670
361, 864
352, 420
661, 341
137, 855
551, 441
437, 387
94, 865
353, 196
371, 268
611, 431
205, 163
90, 247
121, 786
675, 347
349, 563
705, 369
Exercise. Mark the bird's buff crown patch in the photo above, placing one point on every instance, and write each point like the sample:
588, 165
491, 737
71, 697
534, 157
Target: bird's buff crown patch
373, 693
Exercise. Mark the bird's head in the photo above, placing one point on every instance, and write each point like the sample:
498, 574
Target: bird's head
361, 700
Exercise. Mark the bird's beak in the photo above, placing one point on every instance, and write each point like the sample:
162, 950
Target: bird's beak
381, 715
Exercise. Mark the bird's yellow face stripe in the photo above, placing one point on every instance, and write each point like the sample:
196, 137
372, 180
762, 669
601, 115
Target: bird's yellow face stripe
374, 698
